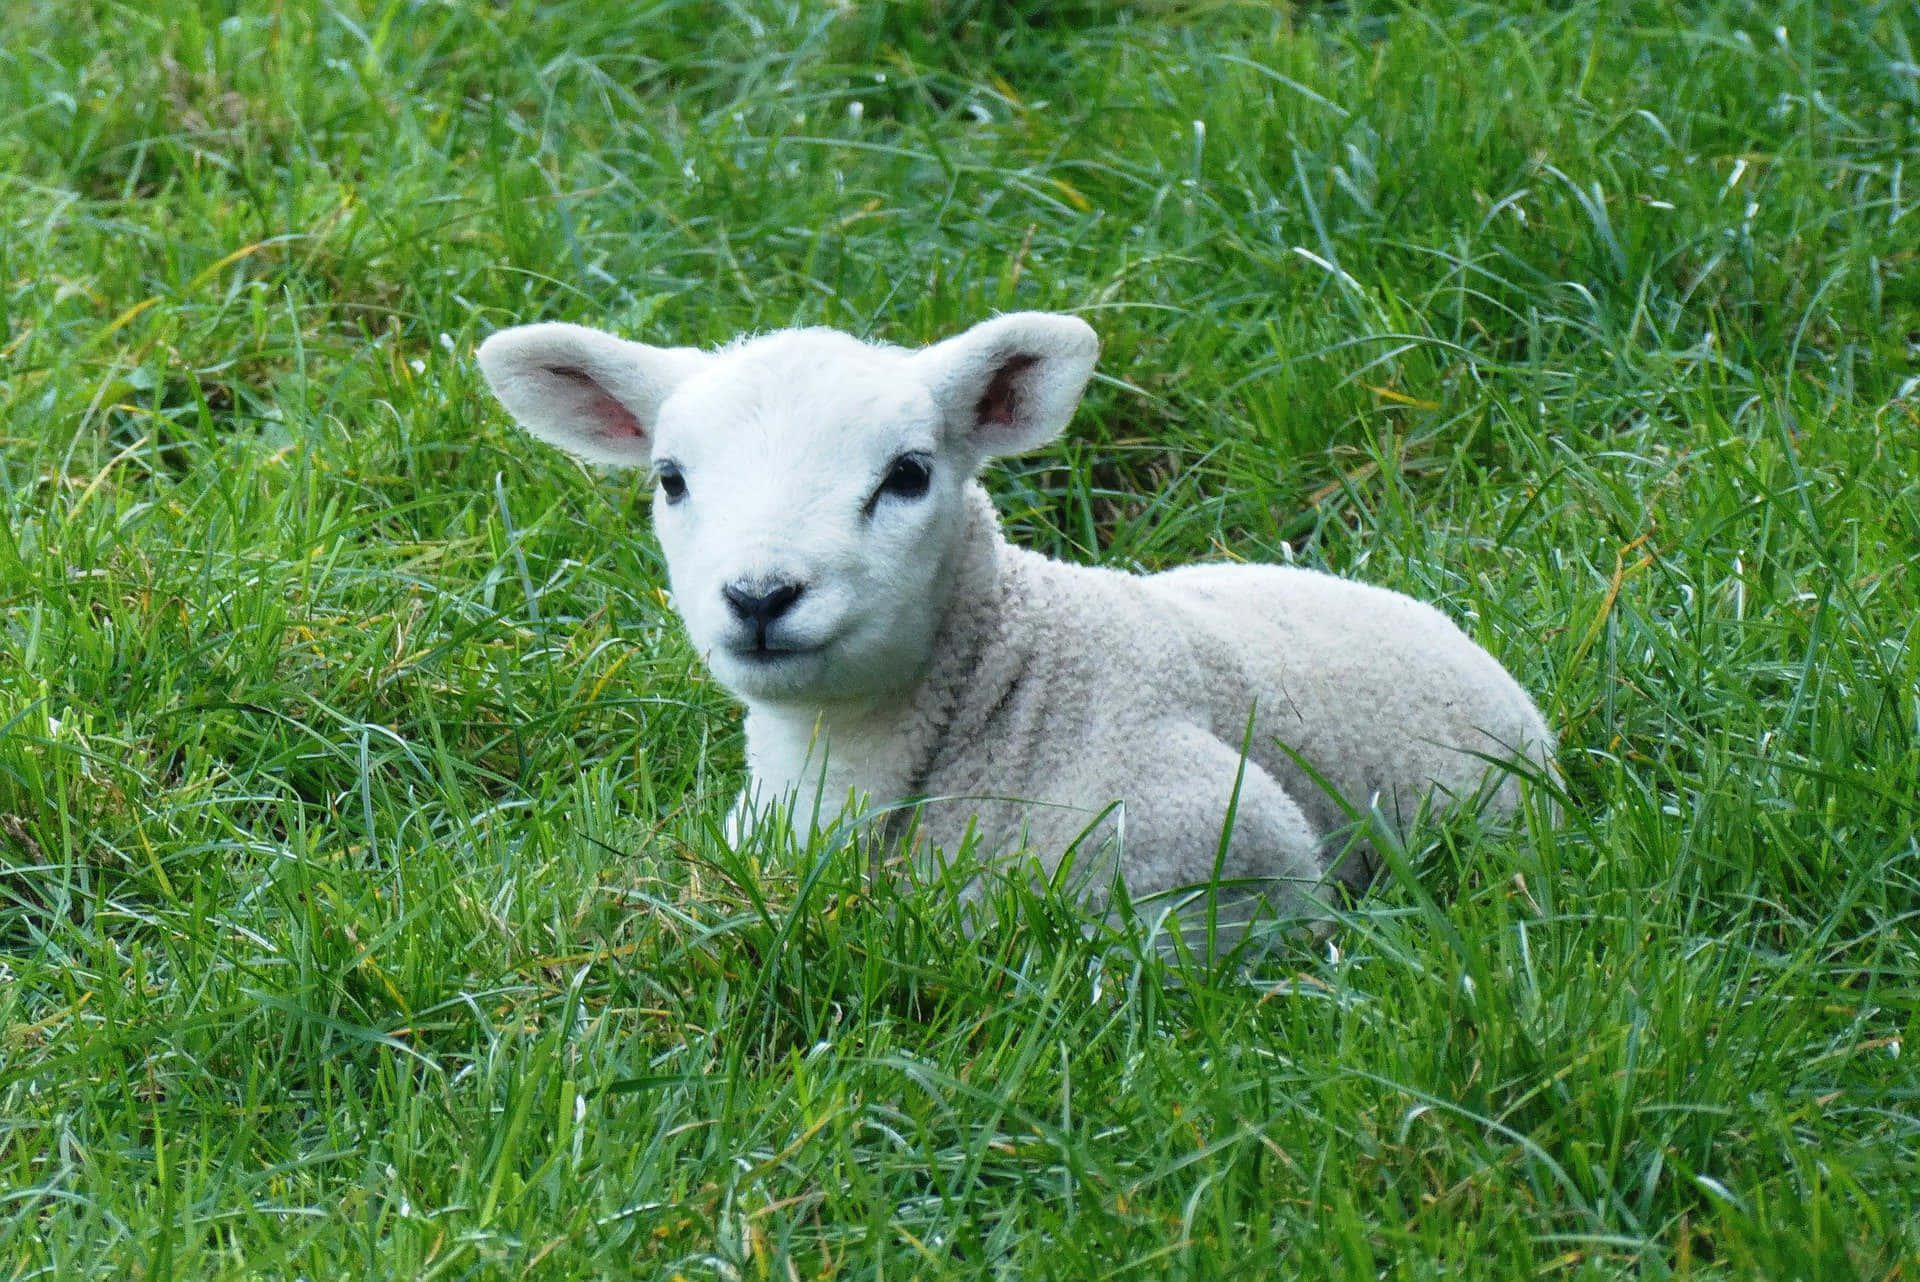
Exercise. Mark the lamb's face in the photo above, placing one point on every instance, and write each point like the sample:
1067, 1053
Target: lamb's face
807, 505
810, 486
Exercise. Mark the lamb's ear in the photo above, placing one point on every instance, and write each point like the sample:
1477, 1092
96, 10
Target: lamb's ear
595, 396
1010, 384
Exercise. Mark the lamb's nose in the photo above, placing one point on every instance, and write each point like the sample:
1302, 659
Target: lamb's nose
761, 608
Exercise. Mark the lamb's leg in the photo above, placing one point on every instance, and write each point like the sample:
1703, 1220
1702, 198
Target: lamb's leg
740, 817
1181, 846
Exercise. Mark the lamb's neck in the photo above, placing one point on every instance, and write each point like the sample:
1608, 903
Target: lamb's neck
881, 748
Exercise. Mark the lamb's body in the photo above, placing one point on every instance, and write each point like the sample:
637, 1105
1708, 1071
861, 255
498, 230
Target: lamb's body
843, 573
1055, 691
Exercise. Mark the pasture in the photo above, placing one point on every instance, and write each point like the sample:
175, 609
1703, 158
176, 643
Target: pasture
364, 909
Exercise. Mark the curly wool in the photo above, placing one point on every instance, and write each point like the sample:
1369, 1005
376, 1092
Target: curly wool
1059, 696
844, 574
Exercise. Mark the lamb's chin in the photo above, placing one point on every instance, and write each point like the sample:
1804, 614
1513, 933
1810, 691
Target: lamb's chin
834, 673
776, 676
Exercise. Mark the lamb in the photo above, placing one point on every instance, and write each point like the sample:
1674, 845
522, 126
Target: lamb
844, 574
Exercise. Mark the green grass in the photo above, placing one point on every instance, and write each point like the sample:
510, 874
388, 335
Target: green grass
363, 910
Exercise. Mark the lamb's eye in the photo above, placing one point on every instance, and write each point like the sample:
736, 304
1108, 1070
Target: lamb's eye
908, 478
672, 484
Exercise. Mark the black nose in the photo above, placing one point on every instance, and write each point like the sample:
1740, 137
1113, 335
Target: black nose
761, 608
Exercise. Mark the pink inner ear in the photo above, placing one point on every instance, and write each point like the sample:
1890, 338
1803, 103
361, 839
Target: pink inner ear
999, 405
610, 417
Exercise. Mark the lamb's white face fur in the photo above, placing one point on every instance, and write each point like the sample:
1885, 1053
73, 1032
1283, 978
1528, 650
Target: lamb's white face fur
810, 485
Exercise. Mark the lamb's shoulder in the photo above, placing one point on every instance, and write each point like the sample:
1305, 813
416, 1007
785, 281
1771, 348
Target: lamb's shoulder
1082, 730
1077, 658
1097, 640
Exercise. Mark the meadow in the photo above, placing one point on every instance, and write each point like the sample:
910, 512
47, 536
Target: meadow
364, 909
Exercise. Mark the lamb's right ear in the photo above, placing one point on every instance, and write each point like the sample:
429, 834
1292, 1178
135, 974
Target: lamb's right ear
1010, 384
595, 396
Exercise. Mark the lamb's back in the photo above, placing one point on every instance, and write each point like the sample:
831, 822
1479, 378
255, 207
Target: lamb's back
1384, 696
1091, 668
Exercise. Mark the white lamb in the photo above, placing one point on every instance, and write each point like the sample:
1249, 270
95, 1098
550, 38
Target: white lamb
846, 577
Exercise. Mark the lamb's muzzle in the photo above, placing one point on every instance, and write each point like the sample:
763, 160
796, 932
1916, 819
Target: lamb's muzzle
760, 608
844, 574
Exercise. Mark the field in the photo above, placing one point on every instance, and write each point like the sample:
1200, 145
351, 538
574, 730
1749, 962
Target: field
364, 910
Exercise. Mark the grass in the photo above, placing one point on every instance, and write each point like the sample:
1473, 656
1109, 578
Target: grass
363, 910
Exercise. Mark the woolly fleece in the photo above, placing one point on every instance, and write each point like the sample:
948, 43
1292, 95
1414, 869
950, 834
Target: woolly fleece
1057, 690
1029, 705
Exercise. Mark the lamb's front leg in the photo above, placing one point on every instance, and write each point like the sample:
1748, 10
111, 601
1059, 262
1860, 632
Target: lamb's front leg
739, 822
795, 813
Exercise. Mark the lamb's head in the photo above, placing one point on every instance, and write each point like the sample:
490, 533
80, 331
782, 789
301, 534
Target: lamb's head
811, 487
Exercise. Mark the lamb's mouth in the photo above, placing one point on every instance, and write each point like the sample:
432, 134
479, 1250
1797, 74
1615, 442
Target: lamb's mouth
768, 656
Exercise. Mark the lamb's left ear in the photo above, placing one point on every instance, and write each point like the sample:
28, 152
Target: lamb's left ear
1010, 384
592, 394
